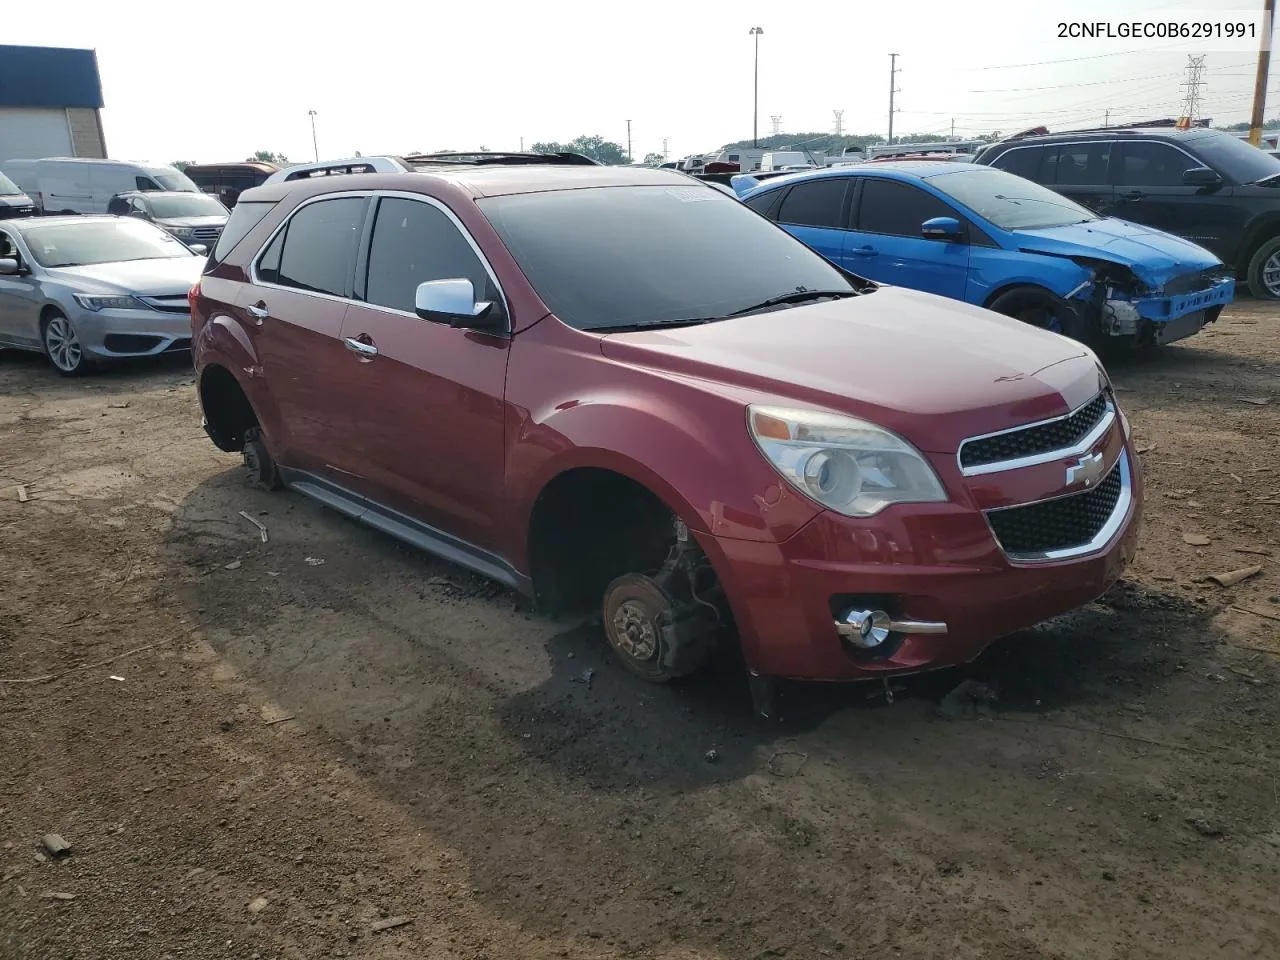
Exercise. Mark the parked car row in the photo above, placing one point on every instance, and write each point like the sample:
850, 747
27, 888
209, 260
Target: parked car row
710, 442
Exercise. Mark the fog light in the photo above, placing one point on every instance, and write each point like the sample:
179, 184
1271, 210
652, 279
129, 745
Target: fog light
870, 628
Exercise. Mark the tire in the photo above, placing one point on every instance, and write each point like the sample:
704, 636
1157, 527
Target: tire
1266, 261
62, 346
632, 606
1040, 308
260, 467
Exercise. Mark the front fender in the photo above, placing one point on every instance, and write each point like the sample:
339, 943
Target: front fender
1058, 275
703, 465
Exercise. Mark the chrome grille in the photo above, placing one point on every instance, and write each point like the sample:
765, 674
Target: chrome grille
1064, 525
1040, 438
176, 303
206, 233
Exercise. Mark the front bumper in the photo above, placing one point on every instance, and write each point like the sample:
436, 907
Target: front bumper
1161, 309
107, 334
928, 563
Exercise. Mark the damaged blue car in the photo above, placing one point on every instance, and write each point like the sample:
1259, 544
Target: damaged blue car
993, 239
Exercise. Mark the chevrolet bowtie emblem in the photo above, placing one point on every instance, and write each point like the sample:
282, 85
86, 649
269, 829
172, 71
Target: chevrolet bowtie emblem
1085, 470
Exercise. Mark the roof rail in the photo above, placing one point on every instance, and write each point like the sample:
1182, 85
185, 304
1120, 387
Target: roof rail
1164, 123
500, 157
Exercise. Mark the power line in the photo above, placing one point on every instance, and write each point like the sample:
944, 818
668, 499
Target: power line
1096, 56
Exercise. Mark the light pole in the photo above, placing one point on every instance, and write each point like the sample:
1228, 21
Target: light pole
629, 157
755, 112
314, 145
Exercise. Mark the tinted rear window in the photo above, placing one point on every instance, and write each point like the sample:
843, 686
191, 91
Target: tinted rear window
244, 218
319, 250
1235, 158
613, 256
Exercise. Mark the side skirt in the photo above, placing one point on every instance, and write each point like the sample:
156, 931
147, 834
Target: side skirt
407, 529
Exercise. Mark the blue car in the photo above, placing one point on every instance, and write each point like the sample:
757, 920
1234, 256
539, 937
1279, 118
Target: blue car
996, 240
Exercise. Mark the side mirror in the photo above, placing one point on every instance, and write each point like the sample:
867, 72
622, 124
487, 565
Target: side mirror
1201, 177
198, 248
453, 302
9, 267
942, 228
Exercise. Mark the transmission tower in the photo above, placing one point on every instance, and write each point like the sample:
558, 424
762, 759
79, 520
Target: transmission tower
1193, 83
776, 120
839, 114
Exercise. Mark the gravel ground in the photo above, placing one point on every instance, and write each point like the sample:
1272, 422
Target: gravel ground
270, 750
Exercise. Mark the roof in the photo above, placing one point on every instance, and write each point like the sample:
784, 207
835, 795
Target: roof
481, 181
259, 165
1155, 133
893, 169
26, 223
49, 77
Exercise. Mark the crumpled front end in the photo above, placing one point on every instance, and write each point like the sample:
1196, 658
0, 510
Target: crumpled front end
1121, 303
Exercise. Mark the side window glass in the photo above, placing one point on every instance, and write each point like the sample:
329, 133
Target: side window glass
145, 183
815, 203
8, 249
765, 203
320, 246
269, 262
1154, 165
897, 209
1022, 162
1083, 163
414, 242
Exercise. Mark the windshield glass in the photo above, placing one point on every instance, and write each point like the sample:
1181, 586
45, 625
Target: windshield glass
7, 186
187, 205
173, 180
1008, 201
99, 241
615, 256
1237, 159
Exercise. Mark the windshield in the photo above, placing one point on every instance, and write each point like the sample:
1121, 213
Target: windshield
1010, 202
616, 256
99, 241
187, 205
173, 180
7, 187
1236, 159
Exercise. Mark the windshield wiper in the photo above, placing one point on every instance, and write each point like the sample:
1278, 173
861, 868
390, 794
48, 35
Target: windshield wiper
795, 296
648, 324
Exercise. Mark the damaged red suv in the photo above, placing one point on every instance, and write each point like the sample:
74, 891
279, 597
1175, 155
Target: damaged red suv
621, 388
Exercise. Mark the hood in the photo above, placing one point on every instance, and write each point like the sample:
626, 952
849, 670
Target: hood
216, 220
147, 278
15, 200
1154, 256
933, 370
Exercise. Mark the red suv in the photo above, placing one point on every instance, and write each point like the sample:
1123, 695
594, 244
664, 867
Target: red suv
620, 387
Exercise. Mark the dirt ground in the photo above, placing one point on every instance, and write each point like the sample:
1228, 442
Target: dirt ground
262, 750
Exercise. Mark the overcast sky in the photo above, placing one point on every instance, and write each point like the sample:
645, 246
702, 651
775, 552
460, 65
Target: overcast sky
208, 82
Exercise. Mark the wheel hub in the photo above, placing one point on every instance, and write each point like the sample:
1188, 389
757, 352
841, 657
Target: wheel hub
1271, 274
634, 632
61, 342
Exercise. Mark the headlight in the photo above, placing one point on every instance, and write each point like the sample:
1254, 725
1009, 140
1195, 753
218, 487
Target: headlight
182, 233
846, 464
108, 303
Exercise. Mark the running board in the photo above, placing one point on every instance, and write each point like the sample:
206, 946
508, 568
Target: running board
406, 529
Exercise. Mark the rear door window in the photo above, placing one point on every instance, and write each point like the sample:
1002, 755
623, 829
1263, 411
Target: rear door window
146, 183
414, 242
815, 203
897, 209
1083, 163
316, 251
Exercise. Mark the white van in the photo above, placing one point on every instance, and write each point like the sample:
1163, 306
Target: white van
73, 185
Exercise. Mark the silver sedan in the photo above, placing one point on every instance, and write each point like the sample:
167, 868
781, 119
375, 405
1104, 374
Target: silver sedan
86, 289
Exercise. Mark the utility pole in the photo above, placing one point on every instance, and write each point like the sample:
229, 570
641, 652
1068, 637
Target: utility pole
893, 88
522, 144
665, 150
1264, 64
1106, 121
630, 159
953, 129
1191, 104
314, 145
755, 110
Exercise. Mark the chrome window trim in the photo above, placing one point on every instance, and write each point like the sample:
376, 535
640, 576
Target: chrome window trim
1113, 141
1084, 445
1104, 535
374, 194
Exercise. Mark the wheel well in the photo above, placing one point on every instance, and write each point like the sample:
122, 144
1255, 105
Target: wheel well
227, 411
48, 311
1028, 288
1263, 233
588, 527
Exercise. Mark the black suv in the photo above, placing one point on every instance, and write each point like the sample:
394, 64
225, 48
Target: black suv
1205, 185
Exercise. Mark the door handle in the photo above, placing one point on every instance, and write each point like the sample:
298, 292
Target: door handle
359, 346
1132, 195
865, 252
258, 311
